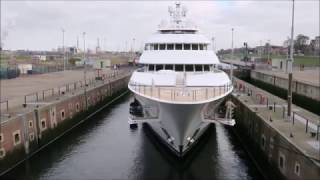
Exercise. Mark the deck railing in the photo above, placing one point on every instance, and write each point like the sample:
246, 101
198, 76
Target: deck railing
181, 93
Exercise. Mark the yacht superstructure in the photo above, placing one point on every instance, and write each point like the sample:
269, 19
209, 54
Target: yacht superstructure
178, 83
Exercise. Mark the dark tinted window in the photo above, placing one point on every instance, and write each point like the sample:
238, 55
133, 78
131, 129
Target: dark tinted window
178, 46
179, 67
162, 47
198, 67
169, 67
206, 67
194, 46
189, 68
186, 46
156, 46
159, 67
170, 46
201, 46
151, 67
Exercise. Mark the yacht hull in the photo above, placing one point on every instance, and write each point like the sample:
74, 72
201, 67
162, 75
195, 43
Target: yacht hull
180, 126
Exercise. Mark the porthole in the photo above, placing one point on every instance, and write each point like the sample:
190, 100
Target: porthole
16, 137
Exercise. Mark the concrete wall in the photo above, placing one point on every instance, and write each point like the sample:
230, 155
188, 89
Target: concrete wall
253, 130
300, 88
25, 134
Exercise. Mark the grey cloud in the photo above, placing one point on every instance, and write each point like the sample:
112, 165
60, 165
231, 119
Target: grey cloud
37, 25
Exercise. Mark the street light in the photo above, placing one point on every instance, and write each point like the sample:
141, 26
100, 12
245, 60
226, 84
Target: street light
269, 46
85, 69
64, 52
290, 61
232, 54
213, 48
232, 43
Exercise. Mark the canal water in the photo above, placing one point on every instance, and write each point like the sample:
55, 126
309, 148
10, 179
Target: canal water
104, 147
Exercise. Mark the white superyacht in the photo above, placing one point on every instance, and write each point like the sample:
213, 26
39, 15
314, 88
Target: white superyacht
178, 83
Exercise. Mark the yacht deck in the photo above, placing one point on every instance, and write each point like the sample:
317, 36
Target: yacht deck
181, 93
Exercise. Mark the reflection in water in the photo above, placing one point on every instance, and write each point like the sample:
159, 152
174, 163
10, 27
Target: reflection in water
104, 147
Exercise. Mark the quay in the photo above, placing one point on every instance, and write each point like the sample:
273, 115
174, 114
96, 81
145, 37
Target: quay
305, 85
40, 108
291, 147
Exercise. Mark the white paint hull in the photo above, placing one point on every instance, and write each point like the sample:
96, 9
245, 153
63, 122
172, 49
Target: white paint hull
180, 122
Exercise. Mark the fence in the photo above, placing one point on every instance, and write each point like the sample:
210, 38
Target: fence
274, 103
9, 106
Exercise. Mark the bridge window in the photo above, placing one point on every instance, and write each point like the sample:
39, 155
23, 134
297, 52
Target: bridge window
194, 46
179, 67
151, 67
178, 46
170, 46
189, 68
198, 67
146, 47
156, 46
151, 47
201, 46
186, 46
206, 68
162, 46
205, 47
159, 67
169, 67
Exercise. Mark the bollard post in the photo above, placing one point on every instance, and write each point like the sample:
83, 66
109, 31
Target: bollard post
37, 96
318, 132
206, 93
293, 113
7, 105
307, 124
43, 95
274, 106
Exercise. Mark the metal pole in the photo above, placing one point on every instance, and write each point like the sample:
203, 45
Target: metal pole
64, 52
85, 69
232, 55
268, 50
290, 65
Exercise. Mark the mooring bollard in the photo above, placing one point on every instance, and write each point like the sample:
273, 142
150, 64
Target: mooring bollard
293, 117
274, 106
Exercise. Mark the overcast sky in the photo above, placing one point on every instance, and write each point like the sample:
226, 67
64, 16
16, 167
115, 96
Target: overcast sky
37, 25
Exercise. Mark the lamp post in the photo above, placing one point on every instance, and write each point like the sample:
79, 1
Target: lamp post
85, 69
232, 55
64, 52
290, 61
213, 47
269, 47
